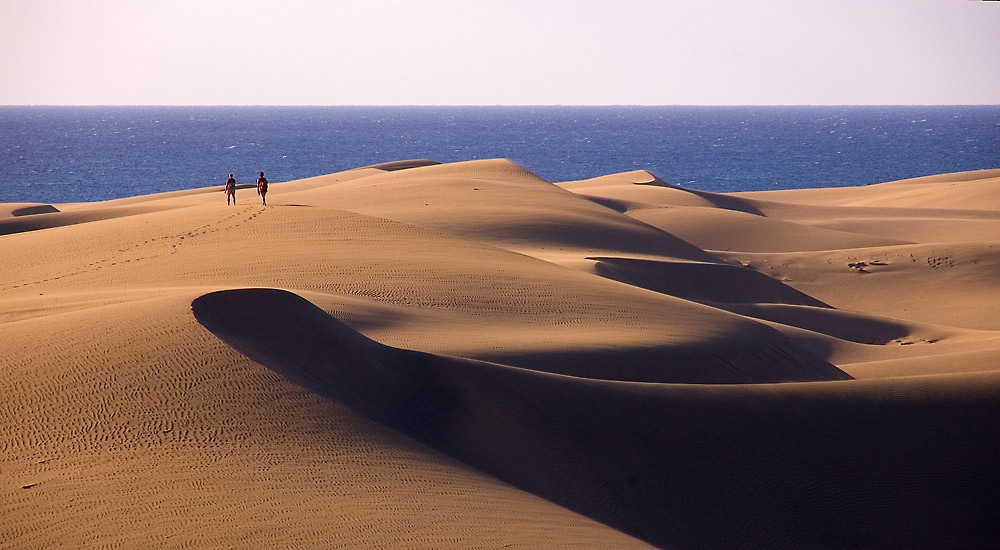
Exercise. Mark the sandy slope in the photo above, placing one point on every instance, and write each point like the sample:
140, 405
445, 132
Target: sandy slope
466, 356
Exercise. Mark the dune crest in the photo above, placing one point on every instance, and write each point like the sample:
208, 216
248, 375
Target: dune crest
562, 437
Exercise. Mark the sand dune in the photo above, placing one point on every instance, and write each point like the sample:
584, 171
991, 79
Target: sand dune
424, 355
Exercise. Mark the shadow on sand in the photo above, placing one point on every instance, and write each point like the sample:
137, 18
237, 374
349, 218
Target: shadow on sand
906, 463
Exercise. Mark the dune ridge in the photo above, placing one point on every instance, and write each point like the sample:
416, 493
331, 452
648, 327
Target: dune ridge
460, 355
537, 431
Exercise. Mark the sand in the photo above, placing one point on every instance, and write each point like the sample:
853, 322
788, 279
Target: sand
424, 355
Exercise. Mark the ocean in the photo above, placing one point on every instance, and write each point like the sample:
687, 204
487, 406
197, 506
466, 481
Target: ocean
75, 154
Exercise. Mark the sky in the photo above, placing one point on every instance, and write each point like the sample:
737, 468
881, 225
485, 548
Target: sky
499, 52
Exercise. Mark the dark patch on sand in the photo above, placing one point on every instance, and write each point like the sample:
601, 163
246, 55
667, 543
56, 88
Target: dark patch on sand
403, 164
31, 210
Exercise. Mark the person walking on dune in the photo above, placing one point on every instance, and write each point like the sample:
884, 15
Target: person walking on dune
262, 188
231, 189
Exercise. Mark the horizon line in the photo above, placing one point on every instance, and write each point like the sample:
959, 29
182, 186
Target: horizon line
500, 105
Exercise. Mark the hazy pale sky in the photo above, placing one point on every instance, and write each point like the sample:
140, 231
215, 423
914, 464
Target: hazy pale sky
468, 52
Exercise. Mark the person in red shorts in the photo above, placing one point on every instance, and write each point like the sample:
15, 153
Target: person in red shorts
262, 188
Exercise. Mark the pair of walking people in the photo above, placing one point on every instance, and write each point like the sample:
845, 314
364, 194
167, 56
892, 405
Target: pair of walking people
261, 189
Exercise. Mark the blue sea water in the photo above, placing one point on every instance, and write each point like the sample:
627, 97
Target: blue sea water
71, 154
